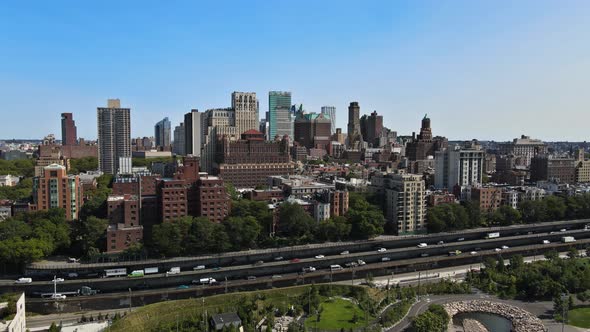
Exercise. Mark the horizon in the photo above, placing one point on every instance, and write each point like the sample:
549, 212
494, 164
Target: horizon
521, 69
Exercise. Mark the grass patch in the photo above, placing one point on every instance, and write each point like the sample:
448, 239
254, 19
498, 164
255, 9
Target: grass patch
337, 314
579, 317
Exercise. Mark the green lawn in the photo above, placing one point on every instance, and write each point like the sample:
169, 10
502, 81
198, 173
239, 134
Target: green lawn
579, 317
336, 314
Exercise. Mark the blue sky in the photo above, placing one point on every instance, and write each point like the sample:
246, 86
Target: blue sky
480, 69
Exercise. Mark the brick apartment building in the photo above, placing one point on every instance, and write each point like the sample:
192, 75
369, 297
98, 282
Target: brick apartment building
56, 189
248, 162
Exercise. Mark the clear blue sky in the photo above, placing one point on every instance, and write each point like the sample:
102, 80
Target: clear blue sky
480, 69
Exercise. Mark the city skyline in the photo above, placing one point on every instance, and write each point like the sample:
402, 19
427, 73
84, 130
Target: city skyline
459, 62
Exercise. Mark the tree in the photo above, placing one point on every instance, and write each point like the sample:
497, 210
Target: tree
54, 327
428, 322
167, 239
554, 207
505, 216
533, 211
294, 221
243, 231
83, 165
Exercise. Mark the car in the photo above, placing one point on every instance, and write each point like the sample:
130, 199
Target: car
57, 296
563, 230
424, 254
497, 249
258, 263
381, 250
276, 276
546, 241
199, 267
361, 262
182, 287
320, 256
217, 268
280, 258
473, 253
73, 260
351, 264
385, 259
251, 278
505, 247
309, 269
345, 252
295, 260
441, 242
23, 281
461, 239
422, 245
58, 280
72, 275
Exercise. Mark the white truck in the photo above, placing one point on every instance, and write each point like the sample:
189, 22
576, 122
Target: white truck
207, 281
150, 270
494, 235
115, 272
567, 239
173, 270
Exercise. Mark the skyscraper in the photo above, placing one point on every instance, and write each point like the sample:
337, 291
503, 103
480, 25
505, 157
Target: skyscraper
114, 135
459, 166
281, 101
193, 132
330, 111
245, 106
354, 126
162, 133
68, 129
178, 146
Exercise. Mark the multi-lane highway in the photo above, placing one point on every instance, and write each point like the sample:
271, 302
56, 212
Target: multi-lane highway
289, 270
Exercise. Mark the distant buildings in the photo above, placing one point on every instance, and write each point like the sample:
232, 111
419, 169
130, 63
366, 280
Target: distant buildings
55, 189
354, 126
178, 146
9, 180
330, 111
524, 147
423, 146
560, 170
312, 130
280, 120
245, 106
371, 128
162, 133
459, 166
582, 167
68, 130
114, 135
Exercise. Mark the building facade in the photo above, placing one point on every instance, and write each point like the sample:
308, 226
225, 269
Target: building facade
178, 146
354, 126
459, 166
524, 147
406, 203
114, 135
330, 111
162, 133
245, 106
278, 100
194, 131
68, 130
561, 170
56, 189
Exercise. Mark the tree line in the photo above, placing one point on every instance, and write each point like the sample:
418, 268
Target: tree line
451, 217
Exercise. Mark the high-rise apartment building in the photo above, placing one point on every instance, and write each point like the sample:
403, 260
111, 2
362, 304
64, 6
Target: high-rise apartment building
68, 129
278, 100
372, 129
245, 106
114, 135
523, 147
56, 189
162, 133
406, 203
459, 166
194, 130
354, 126
178, 146
330, 111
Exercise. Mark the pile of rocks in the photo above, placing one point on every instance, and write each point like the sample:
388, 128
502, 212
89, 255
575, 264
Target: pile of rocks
522, 320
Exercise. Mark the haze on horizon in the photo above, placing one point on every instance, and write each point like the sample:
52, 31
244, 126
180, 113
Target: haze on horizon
485, 70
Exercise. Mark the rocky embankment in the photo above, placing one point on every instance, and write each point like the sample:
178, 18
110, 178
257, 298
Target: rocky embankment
522, 320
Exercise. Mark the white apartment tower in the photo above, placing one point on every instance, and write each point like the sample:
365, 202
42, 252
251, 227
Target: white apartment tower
114, 135
459, 166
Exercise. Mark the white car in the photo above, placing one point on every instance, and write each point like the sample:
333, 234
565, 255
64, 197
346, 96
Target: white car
309, 269
473, 253
280, 258
461, 239
72, 275
381, 250
58, 296
497, 249
422, 245
23, 281
441, 242
320, 256
385, 259
563, 230
546, 241
505, 247
58, 280
345, 252
361, 262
